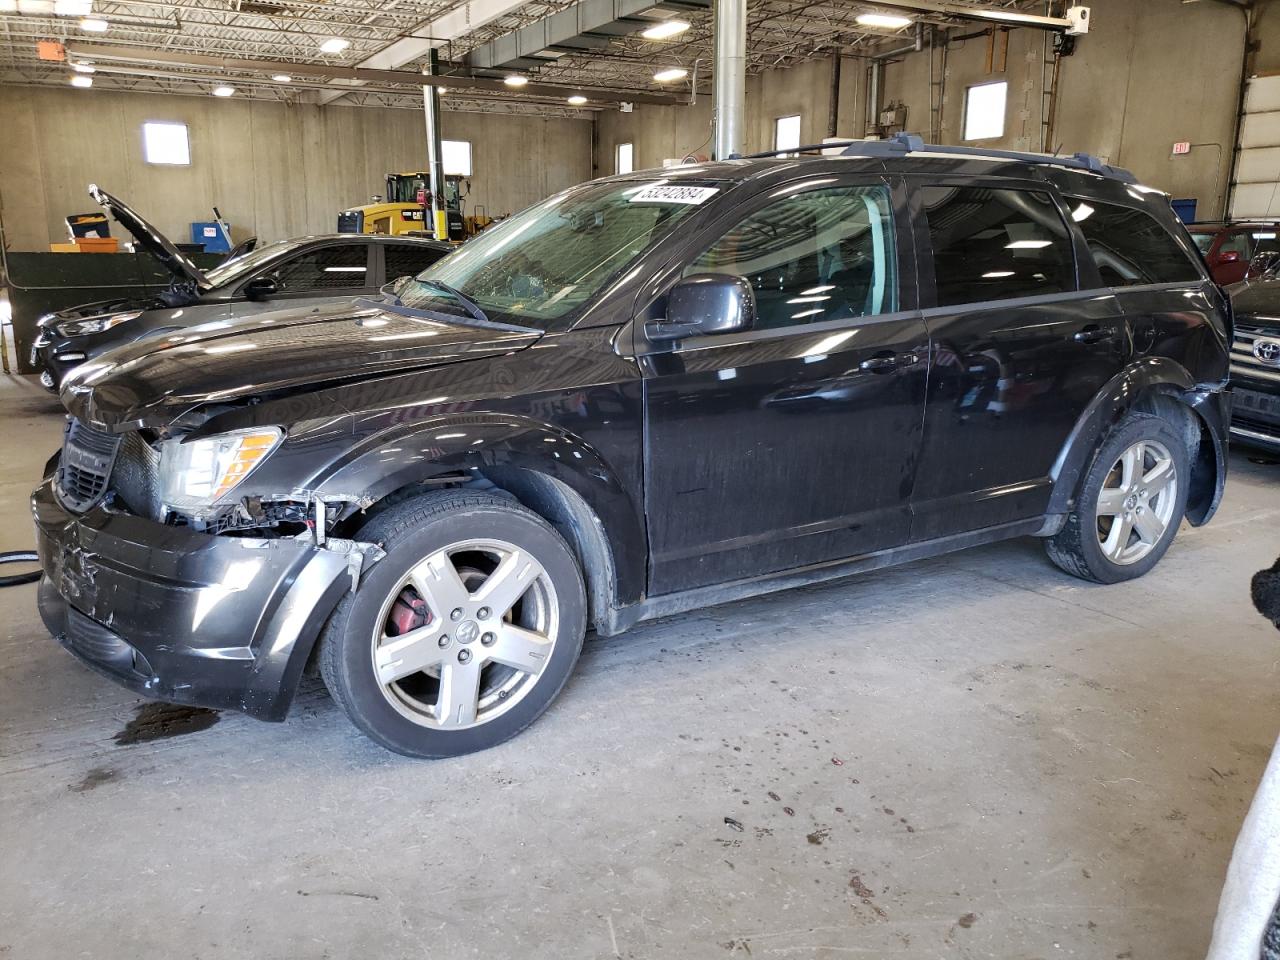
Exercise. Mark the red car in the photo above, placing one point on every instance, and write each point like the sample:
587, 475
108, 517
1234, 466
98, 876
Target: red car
1237, 250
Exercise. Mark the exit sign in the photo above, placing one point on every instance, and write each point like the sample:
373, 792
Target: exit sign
1181, 148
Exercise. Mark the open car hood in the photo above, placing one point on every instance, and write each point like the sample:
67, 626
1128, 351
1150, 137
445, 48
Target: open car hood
152, 381
152, 240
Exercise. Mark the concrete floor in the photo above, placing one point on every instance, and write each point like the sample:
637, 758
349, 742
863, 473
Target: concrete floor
976, 756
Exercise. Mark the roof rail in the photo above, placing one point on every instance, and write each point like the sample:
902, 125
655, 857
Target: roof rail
807, 148
904, 143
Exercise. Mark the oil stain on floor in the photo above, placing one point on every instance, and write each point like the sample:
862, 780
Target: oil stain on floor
159, 721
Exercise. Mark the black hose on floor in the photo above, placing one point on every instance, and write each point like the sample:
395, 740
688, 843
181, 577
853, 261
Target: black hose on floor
20, 556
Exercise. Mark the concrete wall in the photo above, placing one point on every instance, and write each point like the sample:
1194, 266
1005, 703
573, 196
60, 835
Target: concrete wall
274, 170
1150, 74
659, 133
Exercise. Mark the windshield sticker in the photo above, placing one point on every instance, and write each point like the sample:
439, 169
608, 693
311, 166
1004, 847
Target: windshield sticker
672, 193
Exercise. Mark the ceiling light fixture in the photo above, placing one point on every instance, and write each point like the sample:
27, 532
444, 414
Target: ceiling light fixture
577, 99
224, 91
887, 20
665, 30
94, 25
515, 80
281, 77
71, 8
78, 80
334, 45
674, 73
83, 67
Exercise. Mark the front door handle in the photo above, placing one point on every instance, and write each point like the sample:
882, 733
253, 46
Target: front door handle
886, 363
1092, 335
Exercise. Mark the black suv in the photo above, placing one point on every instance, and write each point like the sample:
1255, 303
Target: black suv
648, 393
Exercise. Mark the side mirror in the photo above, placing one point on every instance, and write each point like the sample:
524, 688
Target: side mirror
1229, 256
704, 304
261, 288
1264, 265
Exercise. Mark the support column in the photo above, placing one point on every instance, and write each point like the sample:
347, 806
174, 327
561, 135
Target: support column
435, 162
730, 76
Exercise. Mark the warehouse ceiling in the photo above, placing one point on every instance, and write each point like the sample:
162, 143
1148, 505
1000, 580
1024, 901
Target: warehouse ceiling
193, 46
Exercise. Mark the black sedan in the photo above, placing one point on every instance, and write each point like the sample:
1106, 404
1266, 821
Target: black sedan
298, 273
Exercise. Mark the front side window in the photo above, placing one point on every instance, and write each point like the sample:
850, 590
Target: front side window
1237, 243
991, 244
1204, 241
1130, 246
548, 261
329, 268
407, 260
814, 256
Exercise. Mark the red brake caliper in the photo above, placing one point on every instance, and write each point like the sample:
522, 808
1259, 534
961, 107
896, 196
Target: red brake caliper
409, 612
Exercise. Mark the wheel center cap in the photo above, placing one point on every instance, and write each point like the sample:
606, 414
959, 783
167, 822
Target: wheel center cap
1131, 502
467, 631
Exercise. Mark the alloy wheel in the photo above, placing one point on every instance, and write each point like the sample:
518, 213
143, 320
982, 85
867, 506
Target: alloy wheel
465, 634
1136, 503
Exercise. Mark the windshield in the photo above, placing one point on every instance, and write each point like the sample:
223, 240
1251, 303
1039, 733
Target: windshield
403, 188
231, 270
547, 262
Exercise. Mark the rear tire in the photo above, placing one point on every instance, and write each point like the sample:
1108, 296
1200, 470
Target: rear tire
1129, 505
463, 634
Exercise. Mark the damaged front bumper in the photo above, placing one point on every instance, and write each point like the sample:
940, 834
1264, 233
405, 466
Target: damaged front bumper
213, 621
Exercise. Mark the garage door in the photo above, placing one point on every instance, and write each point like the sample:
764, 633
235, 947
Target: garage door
1256, 192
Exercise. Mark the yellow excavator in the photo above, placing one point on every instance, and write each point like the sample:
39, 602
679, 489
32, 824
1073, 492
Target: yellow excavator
406, 209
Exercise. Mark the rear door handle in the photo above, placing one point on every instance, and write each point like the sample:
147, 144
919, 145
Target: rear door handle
887, 363
1092, 335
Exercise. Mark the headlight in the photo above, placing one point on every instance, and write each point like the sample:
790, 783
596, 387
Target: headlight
201, 472
103, 321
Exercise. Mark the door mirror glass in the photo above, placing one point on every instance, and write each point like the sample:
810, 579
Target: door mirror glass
705, 304
1229, 256
261, 288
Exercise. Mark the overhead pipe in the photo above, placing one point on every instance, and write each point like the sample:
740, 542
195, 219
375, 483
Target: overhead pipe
730, 76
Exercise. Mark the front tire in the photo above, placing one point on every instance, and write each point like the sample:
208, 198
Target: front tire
463, 634
1130, 503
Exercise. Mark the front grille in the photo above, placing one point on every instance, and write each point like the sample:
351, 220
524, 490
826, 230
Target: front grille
87, 458
1243, 360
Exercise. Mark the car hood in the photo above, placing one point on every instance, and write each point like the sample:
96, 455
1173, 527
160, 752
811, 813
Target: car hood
152, 240
1257, 302
151, 382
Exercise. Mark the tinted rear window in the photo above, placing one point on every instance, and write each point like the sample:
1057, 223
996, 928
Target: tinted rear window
997, 244
1131, 247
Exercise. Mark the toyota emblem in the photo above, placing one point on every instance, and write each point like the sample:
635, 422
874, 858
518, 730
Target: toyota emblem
1267, 351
